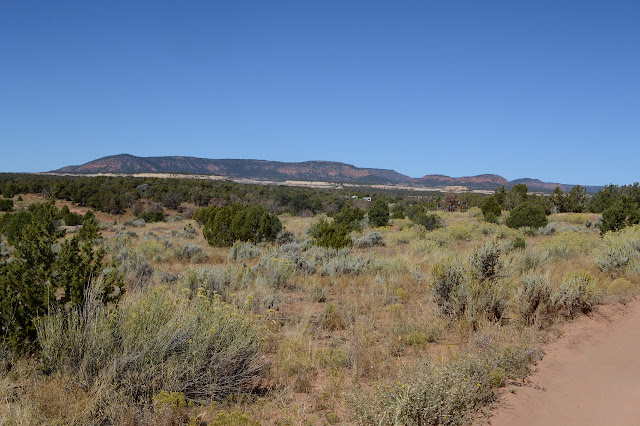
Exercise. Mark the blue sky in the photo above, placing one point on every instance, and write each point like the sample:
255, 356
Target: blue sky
544, 89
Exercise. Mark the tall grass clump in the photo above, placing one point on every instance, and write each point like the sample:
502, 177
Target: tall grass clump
567, 244
460, 231
153, 341
152, 250
620, 251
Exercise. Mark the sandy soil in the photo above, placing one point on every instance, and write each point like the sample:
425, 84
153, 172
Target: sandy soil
589, 376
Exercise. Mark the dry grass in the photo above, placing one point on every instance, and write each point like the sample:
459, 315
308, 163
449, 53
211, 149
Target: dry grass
344, 327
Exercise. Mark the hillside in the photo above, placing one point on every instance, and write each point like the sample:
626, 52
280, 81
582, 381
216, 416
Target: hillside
250, 169
328, 171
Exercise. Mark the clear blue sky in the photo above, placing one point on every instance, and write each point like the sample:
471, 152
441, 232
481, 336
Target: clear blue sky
545, 89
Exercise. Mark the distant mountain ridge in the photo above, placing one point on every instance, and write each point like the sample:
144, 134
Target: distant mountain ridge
329, 171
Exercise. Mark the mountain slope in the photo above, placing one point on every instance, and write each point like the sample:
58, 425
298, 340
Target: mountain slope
326, 171
255, 169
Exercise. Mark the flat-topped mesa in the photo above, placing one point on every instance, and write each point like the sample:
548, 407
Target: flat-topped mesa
278, 171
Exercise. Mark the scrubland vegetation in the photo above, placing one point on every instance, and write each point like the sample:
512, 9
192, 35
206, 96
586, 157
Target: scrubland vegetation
245, 315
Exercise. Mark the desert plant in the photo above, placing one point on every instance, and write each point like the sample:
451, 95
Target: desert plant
244, 251
190, 252
519, 243
491, 208
449, 279
349, 218
485, 261
201, 348
379, 213
430, 395
430, 221
344, 263
6, 205
278, 271
460, 231
222, 226
370, 240
527, 214
398, 212
152, 249
459, 294
548, 229
330, 234
534, 297
619, 250
576, 294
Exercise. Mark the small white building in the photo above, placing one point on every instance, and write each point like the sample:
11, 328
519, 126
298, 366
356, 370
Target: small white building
367, 198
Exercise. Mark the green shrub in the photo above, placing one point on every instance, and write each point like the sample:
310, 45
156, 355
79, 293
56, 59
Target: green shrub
44, 274
223, 226
527, 214
379, 213
491, 218
519, 243
71, 219
349, 218
152, 215
330, 234
491, 208
430, 221
6, 205
398, 212
619, 216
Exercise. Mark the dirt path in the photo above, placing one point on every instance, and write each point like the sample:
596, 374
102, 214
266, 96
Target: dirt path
589, 376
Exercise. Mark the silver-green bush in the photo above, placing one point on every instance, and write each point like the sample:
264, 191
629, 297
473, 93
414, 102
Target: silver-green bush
154, 341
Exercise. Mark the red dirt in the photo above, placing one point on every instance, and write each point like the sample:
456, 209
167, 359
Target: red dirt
589, 376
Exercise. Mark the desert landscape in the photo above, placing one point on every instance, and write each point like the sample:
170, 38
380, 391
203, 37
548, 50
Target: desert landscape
298, 213
249, 306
